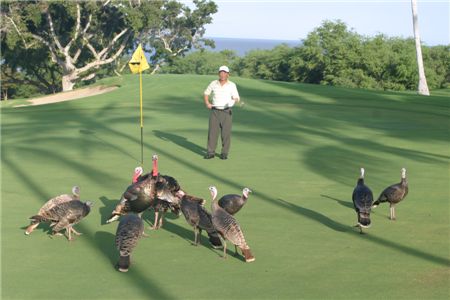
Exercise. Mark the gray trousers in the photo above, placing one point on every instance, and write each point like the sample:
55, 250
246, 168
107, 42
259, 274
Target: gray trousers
219, 121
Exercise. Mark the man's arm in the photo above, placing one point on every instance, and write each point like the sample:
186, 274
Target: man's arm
207, 104
235, 94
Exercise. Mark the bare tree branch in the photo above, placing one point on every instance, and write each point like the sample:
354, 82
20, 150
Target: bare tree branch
98, 63
77, 30
90, 76
53, 52
18, 31
52, 32
155, 69
106, 50
91, 48
77, 54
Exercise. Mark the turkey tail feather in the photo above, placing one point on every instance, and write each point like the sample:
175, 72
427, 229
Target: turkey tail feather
248, 255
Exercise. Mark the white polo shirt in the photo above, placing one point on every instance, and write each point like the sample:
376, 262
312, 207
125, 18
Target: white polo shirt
222, 94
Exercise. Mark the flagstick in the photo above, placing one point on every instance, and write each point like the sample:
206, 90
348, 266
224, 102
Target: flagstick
137, 64
142, 119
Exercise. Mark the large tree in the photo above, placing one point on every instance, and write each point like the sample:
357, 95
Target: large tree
83, 36
79, 36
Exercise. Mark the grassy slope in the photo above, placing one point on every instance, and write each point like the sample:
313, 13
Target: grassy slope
299, 147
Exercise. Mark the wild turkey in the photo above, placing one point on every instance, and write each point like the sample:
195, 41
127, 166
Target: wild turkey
162, 205
362, 200
65, 216
137, 197
129, 231
229, 229
232, 203
394, 194
158, 205
196, 215
43, 212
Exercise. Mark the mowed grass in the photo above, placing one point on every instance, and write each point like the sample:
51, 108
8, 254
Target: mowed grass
298, 147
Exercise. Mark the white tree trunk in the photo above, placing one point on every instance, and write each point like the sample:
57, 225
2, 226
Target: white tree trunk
423, 87
67, 83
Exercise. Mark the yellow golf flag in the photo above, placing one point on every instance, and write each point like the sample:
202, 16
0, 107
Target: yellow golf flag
138, 62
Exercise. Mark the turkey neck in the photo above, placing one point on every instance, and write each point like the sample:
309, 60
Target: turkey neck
404, 182
214, 205
361, 181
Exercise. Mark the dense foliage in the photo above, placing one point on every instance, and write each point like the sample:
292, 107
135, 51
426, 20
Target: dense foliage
334, 55
52, 45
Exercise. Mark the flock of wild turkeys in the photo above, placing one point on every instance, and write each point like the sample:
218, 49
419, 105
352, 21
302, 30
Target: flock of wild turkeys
163, 193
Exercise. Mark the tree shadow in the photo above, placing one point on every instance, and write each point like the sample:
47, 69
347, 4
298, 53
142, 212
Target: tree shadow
267, 122
180, 141
186, 234
310, 214
90, 132
105, 242
341, 202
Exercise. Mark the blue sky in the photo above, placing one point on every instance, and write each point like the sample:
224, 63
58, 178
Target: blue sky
293, 20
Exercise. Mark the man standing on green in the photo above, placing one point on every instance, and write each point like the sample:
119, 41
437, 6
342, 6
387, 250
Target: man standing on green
225, 94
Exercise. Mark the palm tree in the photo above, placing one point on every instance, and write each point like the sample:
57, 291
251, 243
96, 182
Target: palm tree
423, 87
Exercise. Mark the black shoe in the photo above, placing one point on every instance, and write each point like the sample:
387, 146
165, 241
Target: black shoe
223, 156
208, 156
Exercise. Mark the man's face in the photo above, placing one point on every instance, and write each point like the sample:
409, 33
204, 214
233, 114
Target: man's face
223, 75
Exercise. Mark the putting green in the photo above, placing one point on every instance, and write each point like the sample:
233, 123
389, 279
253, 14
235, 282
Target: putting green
298, 147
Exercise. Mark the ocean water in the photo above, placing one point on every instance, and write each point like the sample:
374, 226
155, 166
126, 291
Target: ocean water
242, 46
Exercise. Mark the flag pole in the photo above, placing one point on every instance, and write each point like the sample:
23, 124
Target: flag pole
142, 119
137, 64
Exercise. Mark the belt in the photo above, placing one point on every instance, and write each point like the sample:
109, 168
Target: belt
222, 109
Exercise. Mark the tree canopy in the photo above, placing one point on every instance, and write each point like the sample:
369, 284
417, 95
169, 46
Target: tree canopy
333, 54
70, 41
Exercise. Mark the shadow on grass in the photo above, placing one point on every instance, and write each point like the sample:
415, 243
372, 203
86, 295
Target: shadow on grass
188, 234
260, 120
89, 132
341, 202
105, 242
180, 141
368, 237
100, 241
310, 214
106, 210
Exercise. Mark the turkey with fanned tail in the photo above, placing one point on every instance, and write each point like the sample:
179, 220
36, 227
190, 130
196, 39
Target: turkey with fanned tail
394, 194
362, 200
44, 210
228, 228
129, 231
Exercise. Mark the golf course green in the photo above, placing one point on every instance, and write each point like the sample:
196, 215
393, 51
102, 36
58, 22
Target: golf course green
298, 147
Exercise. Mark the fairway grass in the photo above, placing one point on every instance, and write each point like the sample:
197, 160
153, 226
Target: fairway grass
298, 147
